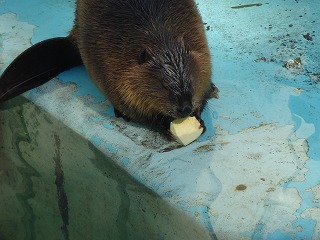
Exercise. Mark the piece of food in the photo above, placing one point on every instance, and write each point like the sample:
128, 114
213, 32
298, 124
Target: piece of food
186, 130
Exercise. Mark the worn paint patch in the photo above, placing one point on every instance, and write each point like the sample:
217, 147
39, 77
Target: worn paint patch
313, 213
256, 162
316, 193
14, 38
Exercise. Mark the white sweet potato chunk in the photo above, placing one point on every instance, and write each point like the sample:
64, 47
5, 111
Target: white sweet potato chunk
186, 130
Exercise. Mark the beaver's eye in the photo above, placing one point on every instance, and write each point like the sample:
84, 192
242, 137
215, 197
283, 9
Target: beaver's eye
142, 57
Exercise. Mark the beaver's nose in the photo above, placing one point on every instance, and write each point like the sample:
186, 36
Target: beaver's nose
185, 109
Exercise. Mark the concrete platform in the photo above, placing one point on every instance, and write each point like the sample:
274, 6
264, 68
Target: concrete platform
69, 169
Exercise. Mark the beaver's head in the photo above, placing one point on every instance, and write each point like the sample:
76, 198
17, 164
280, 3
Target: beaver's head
175, 73
166, 81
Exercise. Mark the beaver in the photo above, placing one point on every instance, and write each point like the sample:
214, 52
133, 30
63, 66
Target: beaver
150, 58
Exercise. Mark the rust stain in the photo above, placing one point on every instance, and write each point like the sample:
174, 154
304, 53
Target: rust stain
241, 187
247, 5
206, 148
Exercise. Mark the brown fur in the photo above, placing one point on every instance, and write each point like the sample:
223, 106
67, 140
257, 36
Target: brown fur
112, 34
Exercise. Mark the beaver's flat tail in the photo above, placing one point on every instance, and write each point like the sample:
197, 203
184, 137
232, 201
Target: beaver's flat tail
37, 65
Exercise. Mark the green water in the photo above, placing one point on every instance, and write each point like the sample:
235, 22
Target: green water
56, 185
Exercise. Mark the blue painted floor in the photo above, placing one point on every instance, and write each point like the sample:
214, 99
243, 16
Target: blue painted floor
254, 174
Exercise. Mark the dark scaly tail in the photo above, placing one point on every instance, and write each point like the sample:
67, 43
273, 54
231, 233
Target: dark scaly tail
37, 65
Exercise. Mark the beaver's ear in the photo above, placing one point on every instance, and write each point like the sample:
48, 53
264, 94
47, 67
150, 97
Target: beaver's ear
143, 56
37, 65
180, 39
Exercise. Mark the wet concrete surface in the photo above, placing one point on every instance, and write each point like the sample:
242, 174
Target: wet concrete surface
252, 175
